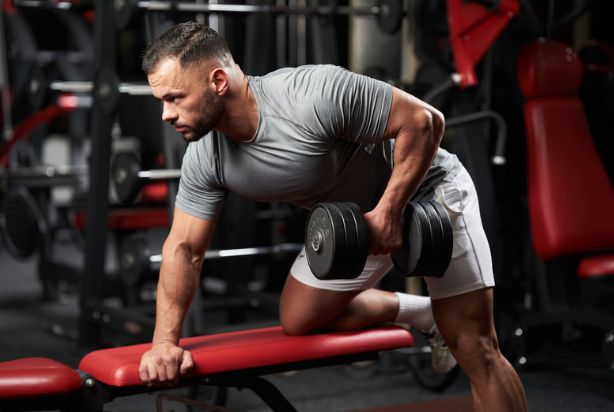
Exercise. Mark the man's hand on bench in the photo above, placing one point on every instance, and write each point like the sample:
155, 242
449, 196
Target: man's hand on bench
164, 364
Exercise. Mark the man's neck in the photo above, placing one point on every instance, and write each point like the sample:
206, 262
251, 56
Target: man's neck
240, 120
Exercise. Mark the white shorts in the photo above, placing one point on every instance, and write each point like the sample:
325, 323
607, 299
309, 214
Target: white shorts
471, 265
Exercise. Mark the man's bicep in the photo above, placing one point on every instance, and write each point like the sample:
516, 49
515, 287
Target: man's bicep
191, 231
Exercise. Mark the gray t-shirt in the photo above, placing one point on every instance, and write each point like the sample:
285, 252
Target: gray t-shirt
316, 141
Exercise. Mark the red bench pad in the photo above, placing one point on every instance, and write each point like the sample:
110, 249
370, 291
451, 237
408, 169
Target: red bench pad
252, 348
596, 266
31, 377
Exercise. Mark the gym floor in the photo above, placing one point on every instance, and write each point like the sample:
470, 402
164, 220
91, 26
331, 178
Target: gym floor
27, 329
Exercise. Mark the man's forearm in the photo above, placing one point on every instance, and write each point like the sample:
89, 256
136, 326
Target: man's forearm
414, 151
179, 276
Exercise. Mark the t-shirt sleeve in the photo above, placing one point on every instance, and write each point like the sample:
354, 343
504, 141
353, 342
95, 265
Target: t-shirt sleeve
200, 193
353, 107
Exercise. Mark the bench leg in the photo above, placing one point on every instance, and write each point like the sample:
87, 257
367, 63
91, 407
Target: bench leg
260, 386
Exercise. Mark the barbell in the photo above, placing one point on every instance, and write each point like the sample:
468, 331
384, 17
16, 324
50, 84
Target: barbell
128, 178
106, 88
389, 13
138, 263
44, 176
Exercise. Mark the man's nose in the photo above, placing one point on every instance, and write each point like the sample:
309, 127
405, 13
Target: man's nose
168, 115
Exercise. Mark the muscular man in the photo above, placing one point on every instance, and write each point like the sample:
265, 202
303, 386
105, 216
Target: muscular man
311, 134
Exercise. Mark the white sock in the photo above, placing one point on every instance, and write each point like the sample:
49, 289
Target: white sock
416, 311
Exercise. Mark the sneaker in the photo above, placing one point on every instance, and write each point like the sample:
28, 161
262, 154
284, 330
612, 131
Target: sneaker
441, 357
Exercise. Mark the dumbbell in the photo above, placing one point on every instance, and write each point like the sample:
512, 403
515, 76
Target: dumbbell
128, 178
336, 240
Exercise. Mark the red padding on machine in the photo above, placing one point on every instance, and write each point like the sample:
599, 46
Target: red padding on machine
570, 196
596, 267
130, 219
34, 377
156, 192
252, 348
473, 30
549, 68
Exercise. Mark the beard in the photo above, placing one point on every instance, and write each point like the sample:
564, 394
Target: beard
212, 110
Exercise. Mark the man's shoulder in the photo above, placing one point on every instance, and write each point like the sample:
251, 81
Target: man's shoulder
305, 71
201, 148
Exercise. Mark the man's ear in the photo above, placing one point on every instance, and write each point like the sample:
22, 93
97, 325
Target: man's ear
219, 81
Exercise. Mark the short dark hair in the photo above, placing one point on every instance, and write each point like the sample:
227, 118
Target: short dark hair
190, 42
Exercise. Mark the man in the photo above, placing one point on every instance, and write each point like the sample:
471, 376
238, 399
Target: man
305, 135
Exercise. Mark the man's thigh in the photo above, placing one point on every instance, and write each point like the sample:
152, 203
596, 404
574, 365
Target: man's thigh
308, 303
471, 265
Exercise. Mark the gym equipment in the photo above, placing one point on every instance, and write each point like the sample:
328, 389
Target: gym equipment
563, 223
336, 240
22, 224
23, 129
133, 89
138, 263
471, 28
45, 176
128, 178
223, 360
389, 13
472, 31
106, 88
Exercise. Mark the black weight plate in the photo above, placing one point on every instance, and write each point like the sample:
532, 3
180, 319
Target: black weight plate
134, 260
426, 247
324, 238
125, 168
344, 257
434, 256
343, 254
447, 242
400, 257
355, 263
106, 89
390, 16
362, 233
406, 258
22, 225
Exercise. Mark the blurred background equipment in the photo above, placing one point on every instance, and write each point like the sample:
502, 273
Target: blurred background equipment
89, 175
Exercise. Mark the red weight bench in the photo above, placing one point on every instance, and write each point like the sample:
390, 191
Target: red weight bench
233, 359
570, 197
32, 384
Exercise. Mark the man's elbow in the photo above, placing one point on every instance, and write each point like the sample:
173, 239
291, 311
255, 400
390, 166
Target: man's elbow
180, 254
432, 123
439, 124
